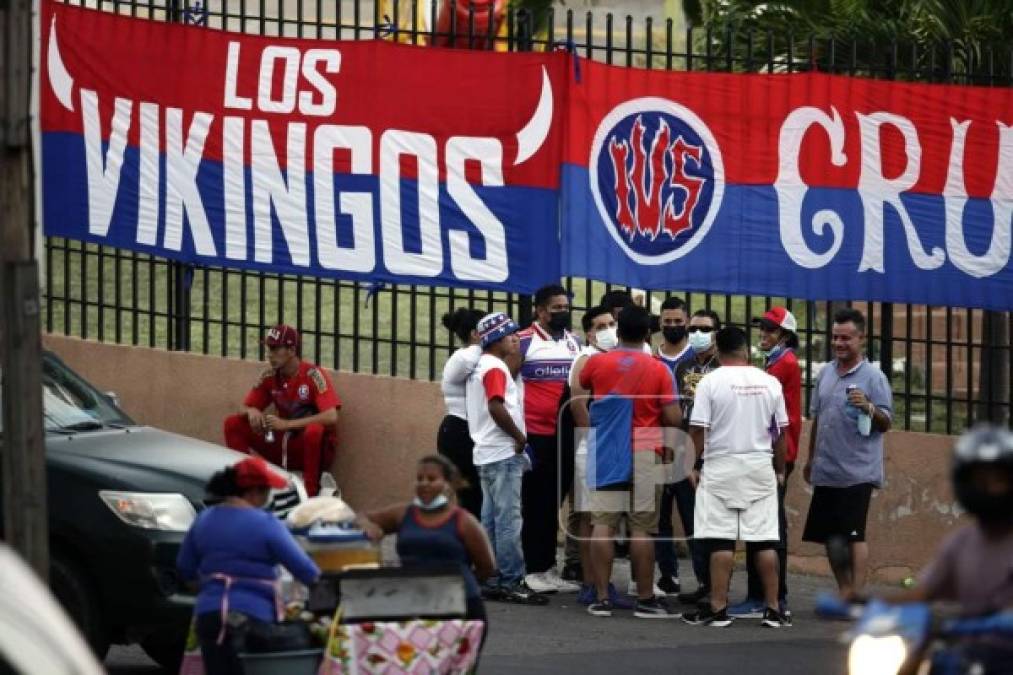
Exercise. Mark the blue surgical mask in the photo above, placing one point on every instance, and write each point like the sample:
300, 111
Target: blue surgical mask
439, 501
700, 341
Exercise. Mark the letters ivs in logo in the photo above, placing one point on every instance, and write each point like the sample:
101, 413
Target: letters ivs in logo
657, 178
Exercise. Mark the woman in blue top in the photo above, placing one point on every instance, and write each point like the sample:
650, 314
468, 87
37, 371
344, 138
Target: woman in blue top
233, 550
434, 531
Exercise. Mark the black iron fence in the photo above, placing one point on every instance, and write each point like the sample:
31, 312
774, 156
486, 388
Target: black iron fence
948, 366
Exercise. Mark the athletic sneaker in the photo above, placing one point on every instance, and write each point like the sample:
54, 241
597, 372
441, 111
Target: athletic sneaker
619, 601
747, 609
772, 618
586, 596
655, 608
561, 584
631, 589
600, 608
668, 586
541, 583
705, 616
694, 597
492, 593
522, 594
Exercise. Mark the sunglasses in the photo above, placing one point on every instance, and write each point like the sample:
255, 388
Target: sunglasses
701, 329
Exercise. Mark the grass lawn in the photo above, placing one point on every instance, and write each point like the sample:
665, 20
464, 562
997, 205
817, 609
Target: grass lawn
116, 296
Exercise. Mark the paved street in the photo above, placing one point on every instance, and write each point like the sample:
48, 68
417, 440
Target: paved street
563, 638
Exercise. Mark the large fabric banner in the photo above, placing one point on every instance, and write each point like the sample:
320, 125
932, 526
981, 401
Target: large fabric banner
797, 185
365, 160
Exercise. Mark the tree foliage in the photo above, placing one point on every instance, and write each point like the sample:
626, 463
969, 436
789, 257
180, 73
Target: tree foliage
935, 38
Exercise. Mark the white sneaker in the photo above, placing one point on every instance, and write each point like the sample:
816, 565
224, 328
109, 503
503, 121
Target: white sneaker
541, 583
562, 585
632, 589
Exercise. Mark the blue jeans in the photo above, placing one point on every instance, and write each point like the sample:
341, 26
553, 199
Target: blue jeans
501, 518
684, 497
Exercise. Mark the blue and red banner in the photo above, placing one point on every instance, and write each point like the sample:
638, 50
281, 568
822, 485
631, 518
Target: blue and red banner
365, 160
802, 185
382, 162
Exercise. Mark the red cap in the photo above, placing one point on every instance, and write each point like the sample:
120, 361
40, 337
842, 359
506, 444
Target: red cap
254, 472
779, 317
282, 335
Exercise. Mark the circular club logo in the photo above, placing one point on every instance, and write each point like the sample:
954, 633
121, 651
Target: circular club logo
657, 178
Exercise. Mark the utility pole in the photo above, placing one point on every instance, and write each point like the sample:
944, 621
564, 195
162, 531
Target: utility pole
22, 455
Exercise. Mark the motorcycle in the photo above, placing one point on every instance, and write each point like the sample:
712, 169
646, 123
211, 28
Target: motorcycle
917, 638
914, 639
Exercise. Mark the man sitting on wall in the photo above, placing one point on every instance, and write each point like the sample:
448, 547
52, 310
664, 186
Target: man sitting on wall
302, 432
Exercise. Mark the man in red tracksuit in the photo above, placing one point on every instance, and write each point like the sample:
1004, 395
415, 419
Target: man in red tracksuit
302, 432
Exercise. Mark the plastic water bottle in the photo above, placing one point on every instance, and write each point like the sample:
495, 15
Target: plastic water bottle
864, 419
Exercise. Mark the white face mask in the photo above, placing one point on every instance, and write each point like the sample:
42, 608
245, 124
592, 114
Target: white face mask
607, 338
700, 341
439, 501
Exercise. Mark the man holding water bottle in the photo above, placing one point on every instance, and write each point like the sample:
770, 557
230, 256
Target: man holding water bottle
301, 431
851, 409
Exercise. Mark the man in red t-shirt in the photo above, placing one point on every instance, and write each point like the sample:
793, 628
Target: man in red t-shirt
626, 372
302, 431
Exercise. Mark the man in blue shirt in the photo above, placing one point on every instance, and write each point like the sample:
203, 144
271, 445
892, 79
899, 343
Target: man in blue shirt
846, 451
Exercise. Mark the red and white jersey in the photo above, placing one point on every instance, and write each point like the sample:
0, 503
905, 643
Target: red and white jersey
545, 372
308, 392
492, 379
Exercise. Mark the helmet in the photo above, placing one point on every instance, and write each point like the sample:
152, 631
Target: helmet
990, 448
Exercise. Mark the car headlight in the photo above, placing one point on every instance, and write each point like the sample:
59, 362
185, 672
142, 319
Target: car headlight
871, 655
151, 510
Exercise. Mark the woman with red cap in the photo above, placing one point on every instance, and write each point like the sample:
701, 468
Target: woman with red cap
233, 550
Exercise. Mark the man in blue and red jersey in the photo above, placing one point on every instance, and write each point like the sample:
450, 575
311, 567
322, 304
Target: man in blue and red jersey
302, 431
778, 342
633, 401
548, 349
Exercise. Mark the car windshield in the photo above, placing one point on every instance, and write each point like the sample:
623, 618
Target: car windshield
71, 404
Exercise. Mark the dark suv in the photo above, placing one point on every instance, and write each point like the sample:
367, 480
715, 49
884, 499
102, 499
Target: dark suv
121, 497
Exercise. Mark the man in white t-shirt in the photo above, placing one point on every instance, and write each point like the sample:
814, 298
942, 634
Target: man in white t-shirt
495, 406
738, 411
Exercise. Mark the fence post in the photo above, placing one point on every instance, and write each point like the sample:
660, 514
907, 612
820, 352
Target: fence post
179, 273
993, 372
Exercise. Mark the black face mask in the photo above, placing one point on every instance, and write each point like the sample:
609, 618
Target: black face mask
674, 334
559, 321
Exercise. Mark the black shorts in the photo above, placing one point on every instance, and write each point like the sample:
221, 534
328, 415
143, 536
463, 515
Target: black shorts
836, 511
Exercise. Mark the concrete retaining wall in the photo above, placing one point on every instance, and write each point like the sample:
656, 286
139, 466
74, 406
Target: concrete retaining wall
386, 423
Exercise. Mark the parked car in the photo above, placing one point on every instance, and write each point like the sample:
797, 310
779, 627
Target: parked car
121, 497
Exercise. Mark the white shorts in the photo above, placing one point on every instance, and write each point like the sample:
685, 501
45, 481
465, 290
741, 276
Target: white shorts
712, 519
